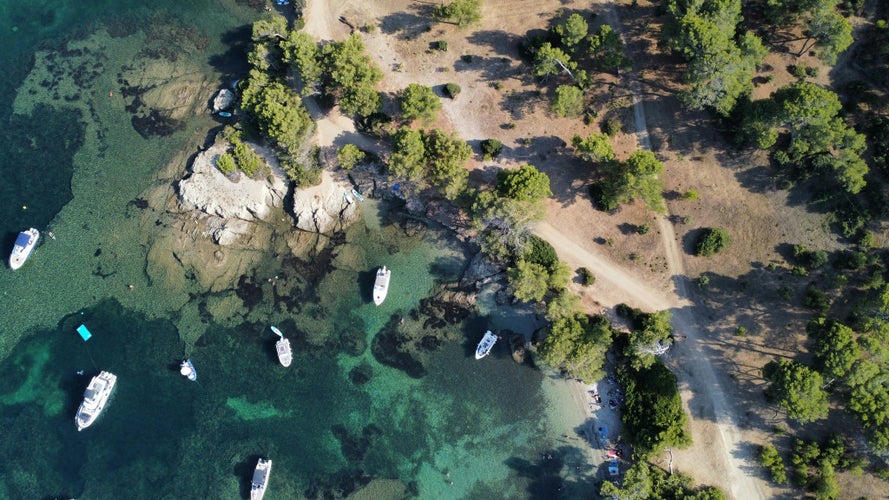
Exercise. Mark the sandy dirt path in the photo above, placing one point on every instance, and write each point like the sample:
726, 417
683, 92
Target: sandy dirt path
716, 436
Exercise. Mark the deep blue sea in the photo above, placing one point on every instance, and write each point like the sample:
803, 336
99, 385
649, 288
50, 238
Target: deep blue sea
81, 157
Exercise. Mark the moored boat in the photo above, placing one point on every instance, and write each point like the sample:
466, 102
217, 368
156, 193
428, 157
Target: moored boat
24, 245
357, 195
95, 397
187, 370
486, 344
282, 347
381, 285
260, 479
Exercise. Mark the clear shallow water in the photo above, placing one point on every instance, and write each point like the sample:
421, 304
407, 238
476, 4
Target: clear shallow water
73, 163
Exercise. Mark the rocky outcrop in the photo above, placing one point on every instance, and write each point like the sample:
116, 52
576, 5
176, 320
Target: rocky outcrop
480, 272
324, 208
223, 100
207, 189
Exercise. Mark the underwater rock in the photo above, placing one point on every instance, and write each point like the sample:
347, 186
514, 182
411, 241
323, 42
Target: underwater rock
361, 374
207, 189
447, 307
389, 348
517, 344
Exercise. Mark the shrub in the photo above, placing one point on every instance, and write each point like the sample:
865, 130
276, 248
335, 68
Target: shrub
712, 241
441, 45
349, 155
587, 278
769, 458
644, 228
816, 299
691, 194
247, 159
491, 148
467, 58
226, 164
451, 90
611, 126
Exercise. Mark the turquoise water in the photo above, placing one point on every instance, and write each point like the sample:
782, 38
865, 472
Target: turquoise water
427, 421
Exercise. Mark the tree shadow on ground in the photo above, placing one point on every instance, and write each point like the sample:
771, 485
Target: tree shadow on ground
406, 25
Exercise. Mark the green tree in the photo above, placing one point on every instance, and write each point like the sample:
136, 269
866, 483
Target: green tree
573, 31
352, 76
712, 240
655, 334
463, 13
577, 344
446, 157
565, 304
835, 348
642, 481
349, 155
280, 114
593, 148
797, 389
301, 52
869, 400
832, 32
769, 458
419, 102
569, 101
641, 179
528, 281
653, 415
272, 27
549, 60
608, 49
525, 183
408, 160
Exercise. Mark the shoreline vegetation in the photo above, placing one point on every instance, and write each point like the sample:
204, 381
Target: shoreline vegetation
429, 168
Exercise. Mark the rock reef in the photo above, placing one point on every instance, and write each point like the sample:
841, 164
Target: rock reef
324, 208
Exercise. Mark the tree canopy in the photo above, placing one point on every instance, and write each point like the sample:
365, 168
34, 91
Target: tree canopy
528, 281
577, 343
463, 13
835, 348
430, 158
572, 31
525, 183
643, 481
352, 76
419, 102
797, 389
653, 415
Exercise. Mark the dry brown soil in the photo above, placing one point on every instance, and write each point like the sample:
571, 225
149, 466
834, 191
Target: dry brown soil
718, 371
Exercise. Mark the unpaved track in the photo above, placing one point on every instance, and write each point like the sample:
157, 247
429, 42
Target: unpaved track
697, 378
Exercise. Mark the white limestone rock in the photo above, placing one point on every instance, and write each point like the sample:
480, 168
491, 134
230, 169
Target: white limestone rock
207, 189
324, 208
223, 100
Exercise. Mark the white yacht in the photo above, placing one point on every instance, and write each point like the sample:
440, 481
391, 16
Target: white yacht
486, 344
94, 399
381, 285
187, 370
260, 479
282, 347
24, 245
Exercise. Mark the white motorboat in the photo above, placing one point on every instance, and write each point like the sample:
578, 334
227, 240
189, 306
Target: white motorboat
260, 479
187, 370
24, 245
486, 344
95, 397
282, 347
381, 285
